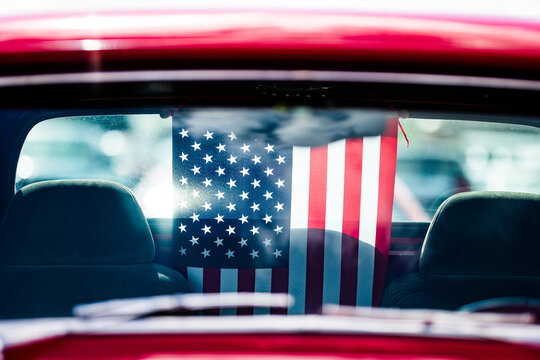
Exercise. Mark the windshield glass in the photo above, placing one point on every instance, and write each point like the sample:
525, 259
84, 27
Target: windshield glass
446, 157
443, 157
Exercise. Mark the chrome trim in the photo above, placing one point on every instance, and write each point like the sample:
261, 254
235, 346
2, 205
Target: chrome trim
267, 75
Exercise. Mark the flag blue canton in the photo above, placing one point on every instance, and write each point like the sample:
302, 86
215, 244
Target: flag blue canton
232, 200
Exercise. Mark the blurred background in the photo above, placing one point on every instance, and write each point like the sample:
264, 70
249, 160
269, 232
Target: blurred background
104, 147
446, 157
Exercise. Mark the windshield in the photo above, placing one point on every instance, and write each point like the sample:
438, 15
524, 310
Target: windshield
330, 206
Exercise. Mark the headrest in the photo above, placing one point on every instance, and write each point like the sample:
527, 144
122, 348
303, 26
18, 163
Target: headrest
484, 233
74, 222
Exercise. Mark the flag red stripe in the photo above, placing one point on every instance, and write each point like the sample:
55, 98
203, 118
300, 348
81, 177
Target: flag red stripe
211, 280
317, 187
353, 187
316, 225
246, 283
387, 174
280, 285
351, 221
182, 270
211, 284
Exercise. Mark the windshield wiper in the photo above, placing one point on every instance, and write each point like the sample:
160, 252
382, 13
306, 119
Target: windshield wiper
180, 304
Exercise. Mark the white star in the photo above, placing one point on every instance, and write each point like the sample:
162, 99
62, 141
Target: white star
219, 218
194, 241
196, 169
267, 219
243, 219
206, 229
220, 171
255, 207
278, 229
256, 160
244, 195
205, 253
183, 204
231, 207
207, 206
196, 146
256, 183
184, 157
183, 180
268, 195
254, 230
208, 135
231, 159
254, 254
269, 171
277, 253
182, 251
221, 147
244, 171
279, 206
207, 158
231, 183
267, 242
184, 133
195, 193
245, 148
243, 242
230, 230
218, 242
269, 148
229, 254
232, 136
207, 182
182, 228
280, 183
195, 217
220, 194
280, 159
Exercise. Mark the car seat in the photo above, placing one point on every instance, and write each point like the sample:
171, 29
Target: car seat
67, 242
480, 245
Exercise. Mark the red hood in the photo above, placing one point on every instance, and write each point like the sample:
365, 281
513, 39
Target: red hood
270, 39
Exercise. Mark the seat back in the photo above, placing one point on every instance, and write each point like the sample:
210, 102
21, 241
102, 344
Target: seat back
480, 245
73, 241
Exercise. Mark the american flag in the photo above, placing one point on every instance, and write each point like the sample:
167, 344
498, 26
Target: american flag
255, 216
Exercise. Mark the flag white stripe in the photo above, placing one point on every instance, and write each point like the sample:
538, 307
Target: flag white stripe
334, 221
299, 224
195, 279
228, 283
263, 283
368, 219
